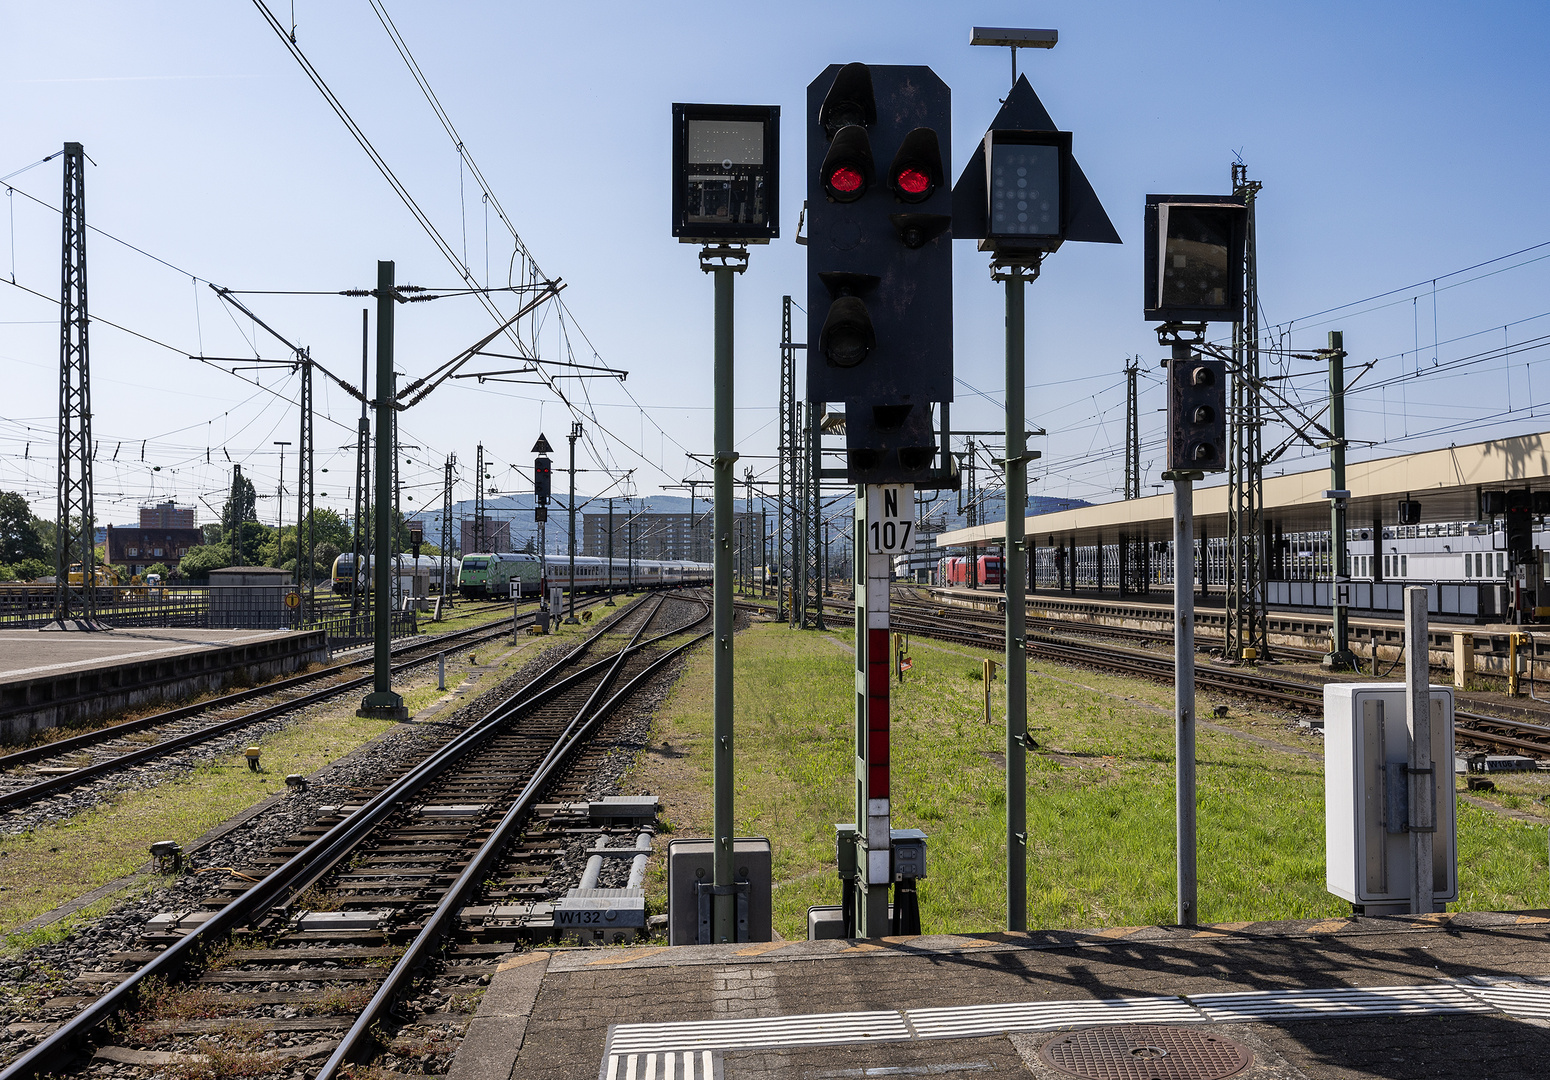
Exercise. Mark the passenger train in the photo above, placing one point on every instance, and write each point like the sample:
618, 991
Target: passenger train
346, 581
954, 570
491, 574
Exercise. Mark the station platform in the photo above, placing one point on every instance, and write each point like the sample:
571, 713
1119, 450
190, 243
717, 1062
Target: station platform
1300, 629
48, 678
1399, 996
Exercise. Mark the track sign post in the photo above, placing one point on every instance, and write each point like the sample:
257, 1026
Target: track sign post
890, 518
726, 173
1197, 413
879, 263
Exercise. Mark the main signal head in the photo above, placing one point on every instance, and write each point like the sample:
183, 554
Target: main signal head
916, 171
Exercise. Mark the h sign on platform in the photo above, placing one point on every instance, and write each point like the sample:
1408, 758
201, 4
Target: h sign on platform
890, 518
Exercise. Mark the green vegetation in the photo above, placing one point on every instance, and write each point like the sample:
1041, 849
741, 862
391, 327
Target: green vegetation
46, 867
1100, 793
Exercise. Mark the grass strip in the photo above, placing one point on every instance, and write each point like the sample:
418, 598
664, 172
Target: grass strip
1100, 793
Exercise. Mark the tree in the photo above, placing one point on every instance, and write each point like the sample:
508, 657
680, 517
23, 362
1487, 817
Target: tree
158, 568
198, 563
19, 537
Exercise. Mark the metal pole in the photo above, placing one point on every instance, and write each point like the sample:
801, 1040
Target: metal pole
1340, 655
382, 701
723, 904
1184, 693
610, 601
1418, 718
1016, 660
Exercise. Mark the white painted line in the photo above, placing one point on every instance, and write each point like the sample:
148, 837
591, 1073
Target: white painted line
1341, 1001
1524, 1000
817, 1029
962, 1022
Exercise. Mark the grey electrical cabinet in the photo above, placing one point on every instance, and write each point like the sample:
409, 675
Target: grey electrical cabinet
1366, 796
690, 881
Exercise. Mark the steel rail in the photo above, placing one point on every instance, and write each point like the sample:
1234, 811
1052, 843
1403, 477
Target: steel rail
44, 788
55, 1052
359, 1039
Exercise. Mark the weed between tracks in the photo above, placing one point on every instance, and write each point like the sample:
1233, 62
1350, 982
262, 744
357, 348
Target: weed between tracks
1100, 792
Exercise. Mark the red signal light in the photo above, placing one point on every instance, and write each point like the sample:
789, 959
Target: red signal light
846, 179
912, 181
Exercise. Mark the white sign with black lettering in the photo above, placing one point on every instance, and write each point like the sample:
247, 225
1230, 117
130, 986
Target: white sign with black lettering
890, 519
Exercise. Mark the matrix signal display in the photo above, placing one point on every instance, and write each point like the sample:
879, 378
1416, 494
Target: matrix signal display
726, 172
1194, 257
1024, 189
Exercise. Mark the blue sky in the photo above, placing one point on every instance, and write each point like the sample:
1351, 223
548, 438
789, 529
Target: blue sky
1397, 143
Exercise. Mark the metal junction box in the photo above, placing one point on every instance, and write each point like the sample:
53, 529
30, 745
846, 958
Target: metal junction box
689, 878
1366, 838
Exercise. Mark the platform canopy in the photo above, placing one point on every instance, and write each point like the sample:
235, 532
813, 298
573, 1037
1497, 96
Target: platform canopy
1445, 482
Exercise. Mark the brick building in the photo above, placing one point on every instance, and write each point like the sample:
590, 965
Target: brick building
658, 536
497, 536
167, 515
137, 549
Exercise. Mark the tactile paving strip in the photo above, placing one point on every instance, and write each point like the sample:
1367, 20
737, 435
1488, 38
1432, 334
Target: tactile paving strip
1146, 1052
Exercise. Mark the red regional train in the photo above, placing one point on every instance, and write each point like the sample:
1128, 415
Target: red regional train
954, 570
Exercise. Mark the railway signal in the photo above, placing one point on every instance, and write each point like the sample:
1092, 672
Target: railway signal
1194, 257
1197, 414
879, 263
726, 173
1021, 195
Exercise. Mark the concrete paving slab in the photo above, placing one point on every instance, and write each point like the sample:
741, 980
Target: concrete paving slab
1449, 995
26, 654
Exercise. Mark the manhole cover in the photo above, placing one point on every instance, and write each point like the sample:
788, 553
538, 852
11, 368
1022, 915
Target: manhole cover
1146, 1052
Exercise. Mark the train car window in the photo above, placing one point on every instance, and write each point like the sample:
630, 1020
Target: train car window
1501, 562
1404, 566
1466, 564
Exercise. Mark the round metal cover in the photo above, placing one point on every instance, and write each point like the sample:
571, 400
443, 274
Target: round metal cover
1146, 1052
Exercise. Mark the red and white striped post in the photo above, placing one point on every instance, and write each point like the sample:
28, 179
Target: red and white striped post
878, 517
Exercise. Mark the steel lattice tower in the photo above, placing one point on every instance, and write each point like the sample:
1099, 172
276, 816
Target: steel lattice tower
446, 530
75, 529
479, 544
1246, 607
1132, 435
304, 489
785, 556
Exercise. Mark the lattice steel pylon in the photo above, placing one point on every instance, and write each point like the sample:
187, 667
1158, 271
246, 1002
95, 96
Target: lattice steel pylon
1132, 434
306, 579
75, 605
446, 532
785, 518
1246, 601
479, 528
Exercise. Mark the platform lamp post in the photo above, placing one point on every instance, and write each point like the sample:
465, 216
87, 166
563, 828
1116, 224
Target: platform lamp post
1193, 245
1021, 195
726, 196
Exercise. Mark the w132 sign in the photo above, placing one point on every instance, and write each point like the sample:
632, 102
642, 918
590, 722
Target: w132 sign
890, 519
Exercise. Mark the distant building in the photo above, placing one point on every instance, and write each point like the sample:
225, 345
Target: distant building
659, 536
138, 549
497, 536
167, 515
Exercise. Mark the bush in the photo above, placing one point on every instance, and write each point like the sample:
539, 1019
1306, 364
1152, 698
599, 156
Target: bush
198, 563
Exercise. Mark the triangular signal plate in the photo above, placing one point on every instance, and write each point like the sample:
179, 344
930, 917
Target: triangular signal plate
1024, 111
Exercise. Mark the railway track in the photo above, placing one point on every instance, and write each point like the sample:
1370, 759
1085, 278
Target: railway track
343, 923
1521, 734
40, 772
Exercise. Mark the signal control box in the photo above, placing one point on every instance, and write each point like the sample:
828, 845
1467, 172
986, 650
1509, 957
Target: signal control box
1366, 796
